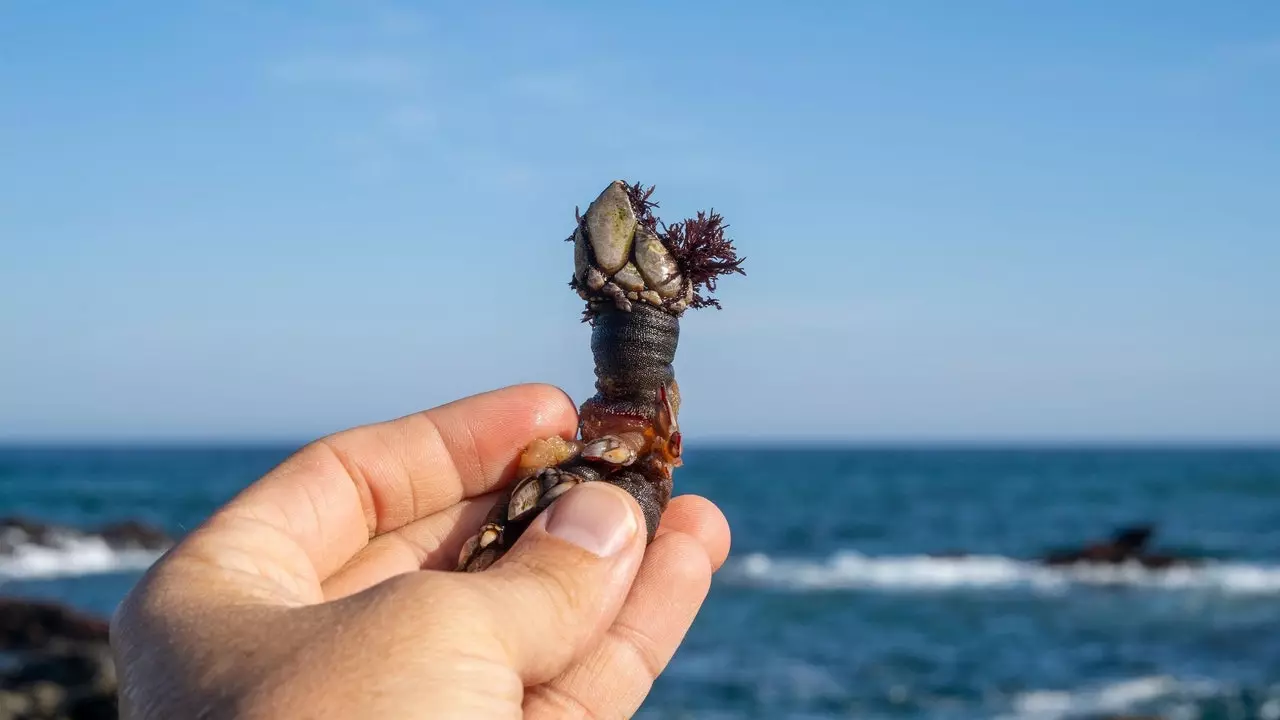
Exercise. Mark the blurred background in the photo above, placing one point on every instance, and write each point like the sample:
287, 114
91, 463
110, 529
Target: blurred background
1012, 272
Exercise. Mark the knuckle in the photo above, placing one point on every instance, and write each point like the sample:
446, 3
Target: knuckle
552, 592
551, 701
644, 650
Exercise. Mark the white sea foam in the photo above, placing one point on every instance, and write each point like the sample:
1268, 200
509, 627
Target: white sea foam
1116, 697
1165, 696
71, 555
854, 571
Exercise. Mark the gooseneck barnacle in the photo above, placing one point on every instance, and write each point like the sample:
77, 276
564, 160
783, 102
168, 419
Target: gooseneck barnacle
638, 276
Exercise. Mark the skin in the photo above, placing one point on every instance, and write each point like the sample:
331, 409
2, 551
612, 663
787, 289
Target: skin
324, 589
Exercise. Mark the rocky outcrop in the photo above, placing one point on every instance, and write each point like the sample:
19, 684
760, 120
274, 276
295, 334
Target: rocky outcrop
34, 625
133, 535
59, 664
55, 661
16, 532
1128, 545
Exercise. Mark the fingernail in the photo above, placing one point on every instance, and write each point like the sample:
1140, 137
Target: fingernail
597, 519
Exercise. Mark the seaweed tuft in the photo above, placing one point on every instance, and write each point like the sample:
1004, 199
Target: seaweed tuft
698, 244
703, 254
641, 205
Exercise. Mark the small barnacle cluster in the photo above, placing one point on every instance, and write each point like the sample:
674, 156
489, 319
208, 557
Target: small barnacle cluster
623, 252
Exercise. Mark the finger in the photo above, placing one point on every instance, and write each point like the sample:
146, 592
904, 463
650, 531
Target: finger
322, 505
615, 677
432, 543
699, 518
561, 585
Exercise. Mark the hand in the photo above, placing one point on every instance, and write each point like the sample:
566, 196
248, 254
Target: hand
325, 590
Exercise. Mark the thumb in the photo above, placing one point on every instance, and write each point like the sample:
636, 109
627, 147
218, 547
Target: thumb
558, 589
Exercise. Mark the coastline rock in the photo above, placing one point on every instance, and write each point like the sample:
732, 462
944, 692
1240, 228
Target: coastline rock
56, 661
1127, 545
88, 667
16, 532
60, 668
35, 625
133, 535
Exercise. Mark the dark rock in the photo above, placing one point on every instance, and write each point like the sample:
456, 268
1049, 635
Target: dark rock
132, 534
14, 705
1153, 561
15, 531
86, 666
128, 535
75, 684
34, 625
21, 524
1127, 545
99, 706
46, 698
62, 667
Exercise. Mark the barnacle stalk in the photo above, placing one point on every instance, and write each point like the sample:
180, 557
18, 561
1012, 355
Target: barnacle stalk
638, 276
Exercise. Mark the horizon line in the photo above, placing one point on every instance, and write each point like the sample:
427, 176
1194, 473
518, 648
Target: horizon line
709, 442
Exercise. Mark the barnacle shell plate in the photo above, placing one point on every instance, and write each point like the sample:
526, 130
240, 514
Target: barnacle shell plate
611, 226
656, 264
628, 278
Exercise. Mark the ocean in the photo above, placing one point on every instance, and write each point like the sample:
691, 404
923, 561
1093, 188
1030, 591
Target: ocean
863, 582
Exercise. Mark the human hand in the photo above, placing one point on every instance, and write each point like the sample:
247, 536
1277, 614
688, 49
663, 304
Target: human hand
324, 590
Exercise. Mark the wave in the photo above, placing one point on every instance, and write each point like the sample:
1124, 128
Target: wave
71, 556
1118, 697
854, 571
1161, 695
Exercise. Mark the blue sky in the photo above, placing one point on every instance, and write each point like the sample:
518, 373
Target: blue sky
962, 221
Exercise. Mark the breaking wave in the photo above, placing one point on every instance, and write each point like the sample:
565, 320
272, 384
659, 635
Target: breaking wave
70, 556
1164, 696
854, 571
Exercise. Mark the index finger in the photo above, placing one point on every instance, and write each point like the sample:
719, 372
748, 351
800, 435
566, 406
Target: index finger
335, 494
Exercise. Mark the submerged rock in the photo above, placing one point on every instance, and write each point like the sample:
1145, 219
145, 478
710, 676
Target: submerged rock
1126, 546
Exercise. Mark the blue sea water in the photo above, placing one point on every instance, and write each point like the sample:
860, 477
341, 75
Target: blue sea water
834, 603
